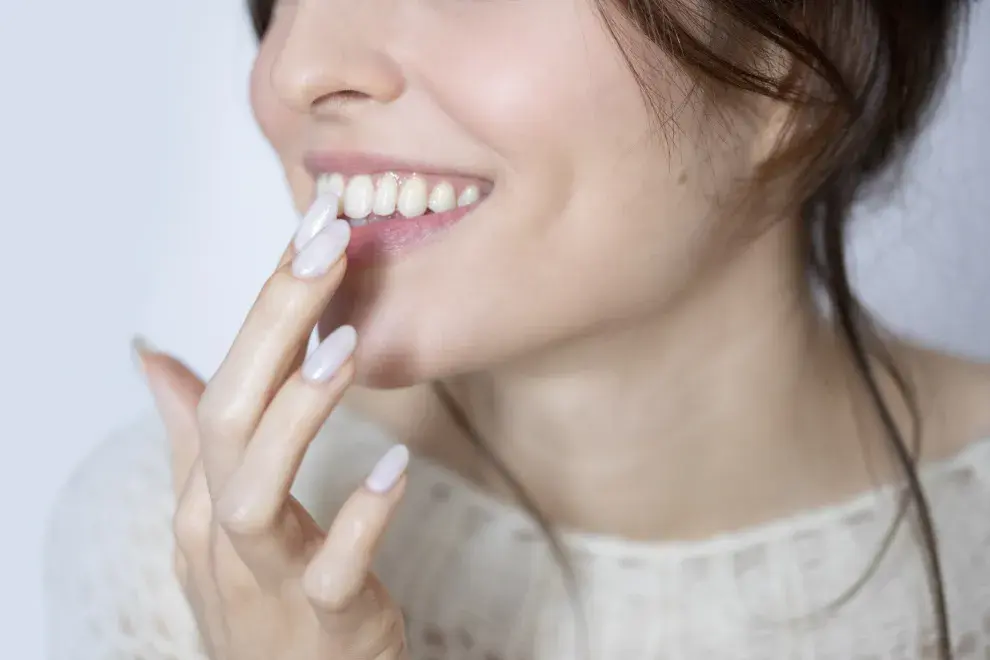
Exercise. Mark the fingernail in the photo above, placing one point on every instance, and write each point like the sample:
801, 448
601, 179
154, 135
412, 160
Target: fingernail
140, 347
320, 214
323, 363
323, 251
388, 470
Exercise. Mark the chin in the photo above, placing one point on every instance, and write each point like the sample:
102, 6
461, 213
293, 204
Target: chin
382, 373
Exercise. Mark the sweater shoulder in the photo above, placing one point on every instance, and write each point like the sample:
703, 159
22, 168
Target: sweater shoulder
109, 586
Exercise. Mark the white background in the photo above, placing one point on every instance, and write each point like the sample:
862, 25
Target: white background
137, 196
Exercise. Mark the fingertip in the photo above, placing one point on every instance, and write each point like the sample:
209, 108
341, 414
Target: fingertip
142, 344
162, 369
140, 349
174, 388
389, 470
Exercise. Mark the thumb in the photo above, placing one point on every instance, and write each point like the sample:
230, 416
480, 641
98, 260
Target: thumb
176, 391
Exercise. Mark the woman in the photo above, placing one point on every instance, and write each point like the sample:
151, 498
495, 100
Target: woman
568, 254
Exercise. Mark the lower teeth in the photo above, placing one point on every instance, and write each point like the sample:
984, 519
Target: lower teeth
378, 218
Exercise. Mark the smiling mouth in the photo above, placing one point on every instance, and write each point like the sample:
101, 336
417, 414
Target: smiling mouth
371, 198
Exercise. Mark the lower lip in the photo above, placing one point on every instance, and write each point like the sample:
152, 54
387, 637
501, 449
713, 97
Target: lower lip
385, 239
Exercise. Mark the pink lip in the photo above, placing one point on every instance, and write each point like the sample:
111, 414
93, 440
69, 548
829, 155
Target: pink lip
393, 237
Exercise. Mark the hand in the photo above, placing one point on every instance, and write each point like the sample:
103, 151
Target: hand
264, 581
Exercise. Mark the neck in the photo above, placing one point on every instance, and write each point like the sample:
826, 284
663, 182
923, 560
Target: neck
730, 408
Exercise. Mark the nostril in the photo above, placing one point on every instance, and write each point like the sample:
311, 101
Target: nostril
336, 102
346, 95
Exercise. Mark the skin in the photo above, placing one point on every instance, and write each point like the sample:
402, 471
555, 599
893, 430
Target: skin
690, 321
641, 352
263, 580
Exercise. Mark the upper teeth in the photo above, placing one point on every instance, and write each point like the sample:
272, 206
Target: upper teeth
386, 195
361, 196
412, 197
442, 198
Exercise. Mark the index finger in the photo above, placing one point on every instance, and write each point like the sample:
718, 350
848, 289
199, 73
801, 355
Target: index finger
272, 339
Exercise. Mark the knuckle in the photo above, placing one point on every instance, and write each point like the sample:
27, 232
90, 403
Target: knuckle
389, 636
191, 525
329, 594
330, 601
239, 510
240, 521
280, 292
219, 414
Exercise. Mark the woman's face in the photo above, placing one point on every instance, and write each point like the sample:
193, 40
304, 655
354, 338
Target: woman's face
594, 211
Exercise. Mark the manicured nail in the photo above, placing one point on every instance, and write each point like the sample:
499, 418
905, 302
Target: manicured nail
140, 347
388, 470
320, 214
323, 363
323, 251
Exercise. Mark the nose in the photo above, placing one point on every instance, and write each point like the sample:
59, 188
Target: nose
332, 56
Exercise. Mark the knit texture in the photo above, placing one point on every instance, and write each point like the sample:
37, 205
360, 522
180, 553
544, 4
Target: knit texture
476, 579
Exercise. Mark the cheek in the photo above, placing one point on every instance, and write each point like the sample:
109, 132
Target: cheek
272, 116
263, 101
278, 124
519, 87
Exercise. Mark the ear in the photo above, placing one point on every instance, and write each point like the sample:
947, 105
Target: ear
776, 124
776, 173
775, 117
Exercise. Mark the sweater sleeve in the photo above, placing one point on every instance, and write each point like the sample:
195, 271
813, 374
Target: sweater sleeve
110, 593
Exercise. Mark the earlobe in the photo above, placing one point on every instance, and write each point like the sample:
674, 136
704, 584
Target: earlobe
774, 132
770, 190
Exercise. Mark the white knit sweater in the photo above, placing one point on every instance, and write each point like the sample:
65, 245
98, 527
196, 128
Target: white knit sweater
477, 582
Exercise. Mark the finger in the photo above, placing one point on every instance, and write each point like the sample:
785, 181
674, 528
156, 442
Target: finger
371, 628
203, 555
191, 523
255, 495
176, 391
269, 343
286, 260
193, 515
339, 572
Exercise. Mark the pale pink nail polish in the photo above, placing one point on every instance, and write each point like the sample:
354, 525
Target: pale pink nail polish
322, 251
320, 214
388, 470
327, 358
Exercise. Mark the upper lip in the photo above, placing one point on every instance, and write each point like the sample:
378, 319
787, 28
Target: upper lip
351, 163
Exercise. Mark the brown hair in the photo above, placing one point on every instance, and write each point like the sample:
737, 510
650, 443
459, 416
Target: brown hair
861, 76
